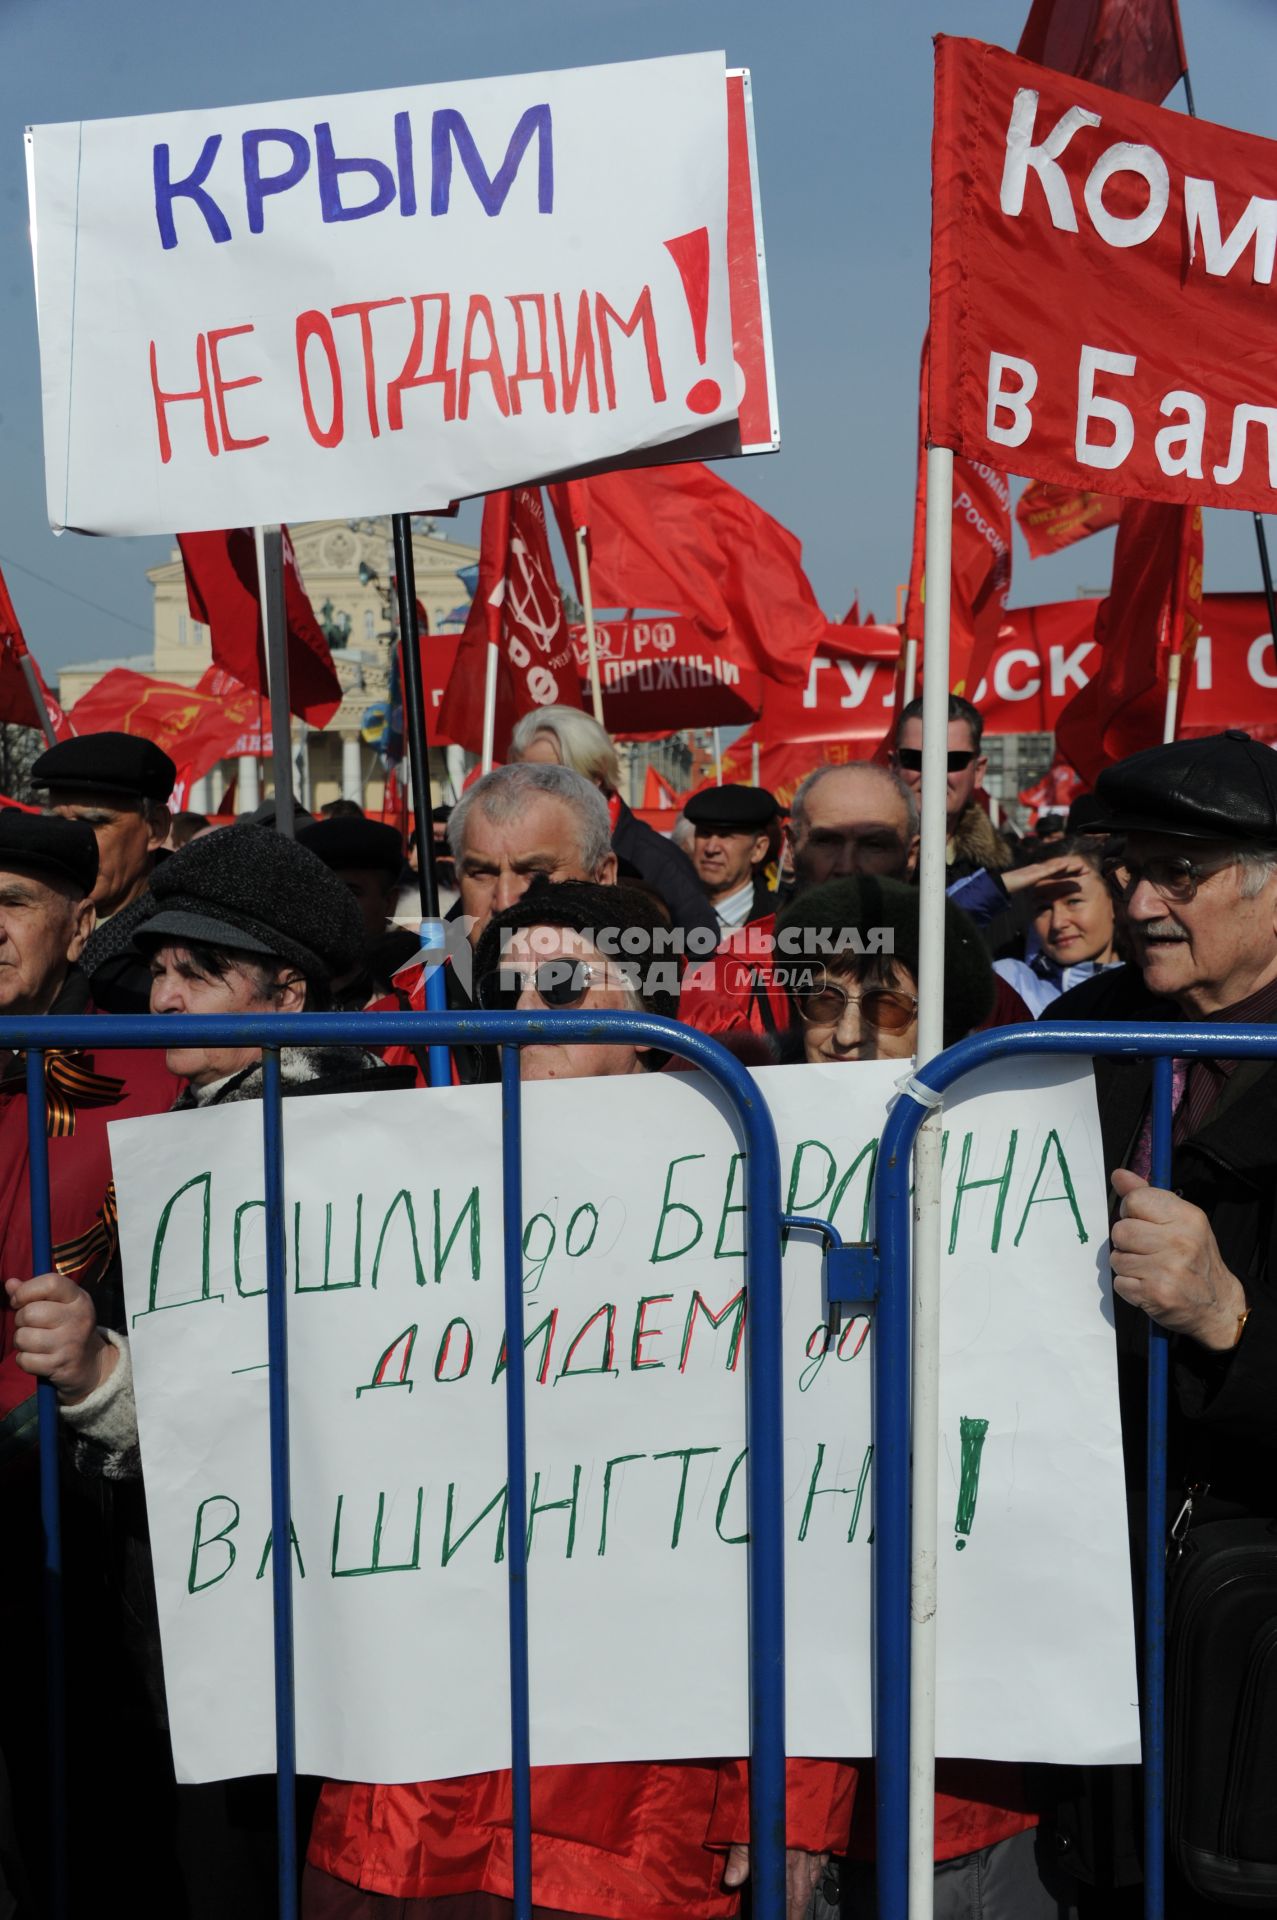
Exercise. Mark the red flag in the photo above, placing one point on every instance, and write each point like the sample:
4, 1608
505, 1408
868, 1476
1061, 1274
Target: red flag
221, 586
518, 609
1055, 792
981, 558
195, 726
1101, 297
1133, 46
680, 540
17, 708
1153, 611
1052, 518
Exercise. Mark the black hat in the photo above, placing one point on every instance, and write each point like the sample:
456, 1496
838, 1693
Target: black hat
1086, 815
43, 843
738, 809
116, 763
349, 841
255, 892
264, 815
591, 908
865, 901
1221, 788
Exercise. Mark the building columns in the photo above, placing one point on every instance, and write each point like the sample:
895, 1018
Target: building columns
197, 799
247, 787
352, 769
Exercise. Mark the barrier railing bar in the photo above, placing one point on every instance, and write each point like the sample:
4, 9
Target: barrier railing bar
1154, 1549
280, 1495
50, 1502
892, 1602
516, 1440
509, 1031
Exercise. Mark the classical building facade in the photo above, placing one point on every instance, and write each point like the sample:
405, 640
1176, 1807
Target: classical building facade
347, 568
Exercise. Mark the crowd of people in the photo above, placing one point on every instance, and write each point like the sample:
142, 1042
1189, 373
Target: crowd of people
1155, 900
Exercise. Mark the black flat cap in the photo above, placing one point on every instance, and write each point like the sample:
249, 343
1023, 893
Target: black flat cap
349, 842
44, 844
1223, 787
737, 808
264, 816
115, 763
254, 892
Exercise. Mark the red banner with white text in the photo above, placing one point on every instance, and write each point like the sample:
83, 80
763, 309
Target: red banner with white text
1101, 287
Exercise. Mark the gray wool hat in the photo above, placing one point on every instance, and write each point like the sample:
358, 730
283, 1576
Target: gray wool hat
254, 892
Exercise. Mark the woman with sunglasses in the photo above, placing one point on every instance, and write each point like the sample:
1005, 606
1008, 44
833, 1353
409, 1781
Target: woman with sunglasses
863, 1005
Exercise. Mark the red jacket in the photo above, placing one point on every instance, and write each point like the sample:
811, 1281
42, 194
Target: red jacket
87, 1090
635, 1840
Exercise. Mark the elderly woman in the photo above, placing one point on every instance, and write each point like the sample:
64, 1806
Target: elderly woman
862, 1003
564, 736
240, 921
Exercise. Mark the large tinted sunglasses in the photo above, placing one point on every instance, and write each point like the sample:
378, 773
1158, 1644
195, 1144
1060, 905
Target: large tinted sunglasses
959, 759
882, 1008
559, 984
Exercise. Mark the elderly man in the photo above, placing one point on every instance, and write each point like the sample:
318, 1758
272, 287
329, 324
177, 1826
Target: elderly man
1198, 882
48, 867
118, 784
732, 829
516, 824
368, 858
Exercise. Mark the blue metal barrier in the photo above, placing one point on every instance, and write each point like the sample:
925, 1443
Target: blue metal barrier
509, 1031
893, 1211
880, 1275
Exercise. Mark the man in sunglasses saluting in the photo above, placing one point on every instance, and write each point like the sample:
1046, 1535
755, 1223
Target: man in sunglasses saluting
1196, 875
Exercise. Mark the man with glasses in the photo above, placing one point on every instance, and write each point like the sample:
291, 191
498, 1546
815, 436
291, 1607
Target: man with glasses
1196, 882
973, 843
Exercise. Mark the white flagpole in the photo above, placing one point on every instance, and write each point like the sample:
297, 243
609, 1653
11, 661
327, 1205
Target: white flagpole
910, 687
718, 758
927, 1170
1172, 697
489, 708
587, 602
753, 763
270, 587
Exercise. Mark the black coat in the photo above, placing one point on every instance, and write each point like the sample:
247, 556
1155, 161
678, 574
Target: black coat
641, 851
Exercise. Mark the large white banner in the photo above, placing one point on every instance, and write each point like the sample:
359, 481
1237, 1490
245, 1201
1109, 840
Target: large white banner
375, 302
635, 1324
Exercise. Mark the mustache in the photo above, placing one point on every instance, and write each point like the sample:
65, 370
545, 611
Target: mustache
1166, 932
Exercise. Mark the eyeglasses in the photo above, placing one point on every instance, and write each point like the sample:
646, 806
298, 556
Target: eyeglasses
958, 760
1172, 876
558, 984
881, 1008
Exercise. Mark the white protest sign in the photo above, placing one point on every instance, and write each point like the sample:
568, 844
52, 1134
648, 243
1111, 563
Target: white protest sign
361, 303
635, 1330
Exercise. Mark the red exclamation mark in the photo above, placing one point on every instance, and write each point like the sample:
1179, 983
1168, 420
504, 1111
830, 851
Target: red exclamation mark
690, 253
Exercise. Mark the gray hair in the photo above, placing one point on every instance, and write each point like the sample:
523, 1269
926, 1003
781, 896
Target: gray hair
1258, 866
798, 805
504, 793
582, 743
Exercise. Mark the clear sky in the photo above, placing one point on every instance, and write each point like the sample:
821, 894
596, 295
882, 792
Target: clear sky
843, 107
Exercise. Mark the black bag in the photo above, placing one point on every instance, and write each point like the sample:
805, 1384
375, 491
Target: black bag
1221, 1712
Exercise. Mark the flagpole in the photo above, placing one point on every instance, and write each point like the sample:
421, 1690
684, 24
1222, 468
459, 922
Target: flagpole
587, 602
1261, 535
927, 1173
418, 743
718, 758
269, 545
754, 757
1172, 697
37, 698
489, 708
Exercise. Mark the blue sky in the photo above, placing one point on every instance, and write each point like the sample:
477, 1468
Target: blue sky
843, 107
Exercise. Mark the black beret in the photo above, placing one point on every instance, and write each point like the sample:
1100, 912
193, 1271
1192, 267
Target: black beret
117, 763
590, 907
1223, 787
736, 808
255, 892
1086, 815
349, 842
43, 843
264, 815
865, 901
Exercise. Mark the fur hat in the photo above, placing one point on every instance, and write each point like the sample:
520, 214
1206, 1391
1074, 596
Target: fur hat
254, 892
